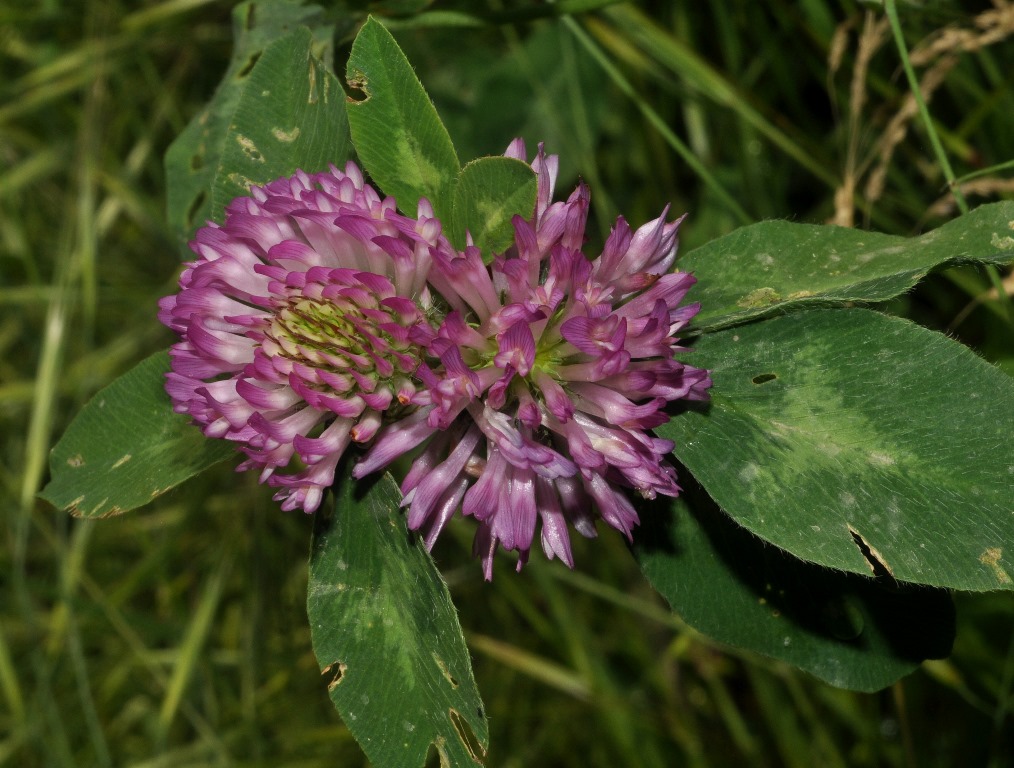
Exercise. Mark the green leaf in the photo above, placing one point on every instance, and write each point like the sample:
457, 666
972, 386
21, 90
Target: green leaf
489, 192
850, 631
398, 135
860, 442
775, 267
127, 446
387, 637
193, 160
290, 116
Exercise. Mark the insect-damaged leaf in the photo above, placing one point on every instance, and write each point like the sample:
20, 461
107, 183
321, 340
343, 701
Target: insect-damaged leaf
860, 442
196, 161
387, 637
851, 631
290, 116
398, 134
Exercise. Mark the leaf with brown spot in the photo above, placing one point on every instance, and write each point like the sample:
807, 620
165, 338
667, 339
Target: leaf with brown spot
864, 424
197, 166
776, 267
398, 134
380, 610
277, 92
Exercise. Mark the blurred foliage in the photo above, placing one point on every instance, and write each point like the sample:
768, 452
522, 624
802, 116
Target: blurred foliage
177, 635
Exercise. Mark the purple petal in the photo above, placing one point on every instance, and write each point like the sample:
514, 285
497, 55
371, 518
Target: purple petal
517, 348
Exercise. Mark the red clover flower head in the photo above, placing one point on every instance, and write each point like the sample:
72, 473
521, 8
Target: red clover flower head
544, 379
302, 322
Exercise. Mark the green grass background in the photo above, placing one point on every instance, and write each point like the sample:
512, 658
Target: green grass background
177, 635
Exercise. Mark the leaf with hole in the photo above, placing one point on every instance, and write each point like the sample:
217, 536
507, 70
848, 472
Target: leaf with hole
193, 160
387, 637
860, 442
398, 135
849, 630
290, 116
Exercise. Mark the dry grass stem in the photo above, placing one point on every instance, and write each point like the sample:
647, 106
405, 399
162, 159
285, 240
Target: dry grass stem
939, 53
985, 187
897, 128
988, 28
872, 37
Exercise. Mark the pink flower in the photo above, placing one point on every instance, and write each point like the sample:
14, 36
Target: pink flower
544, 380
302, 323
